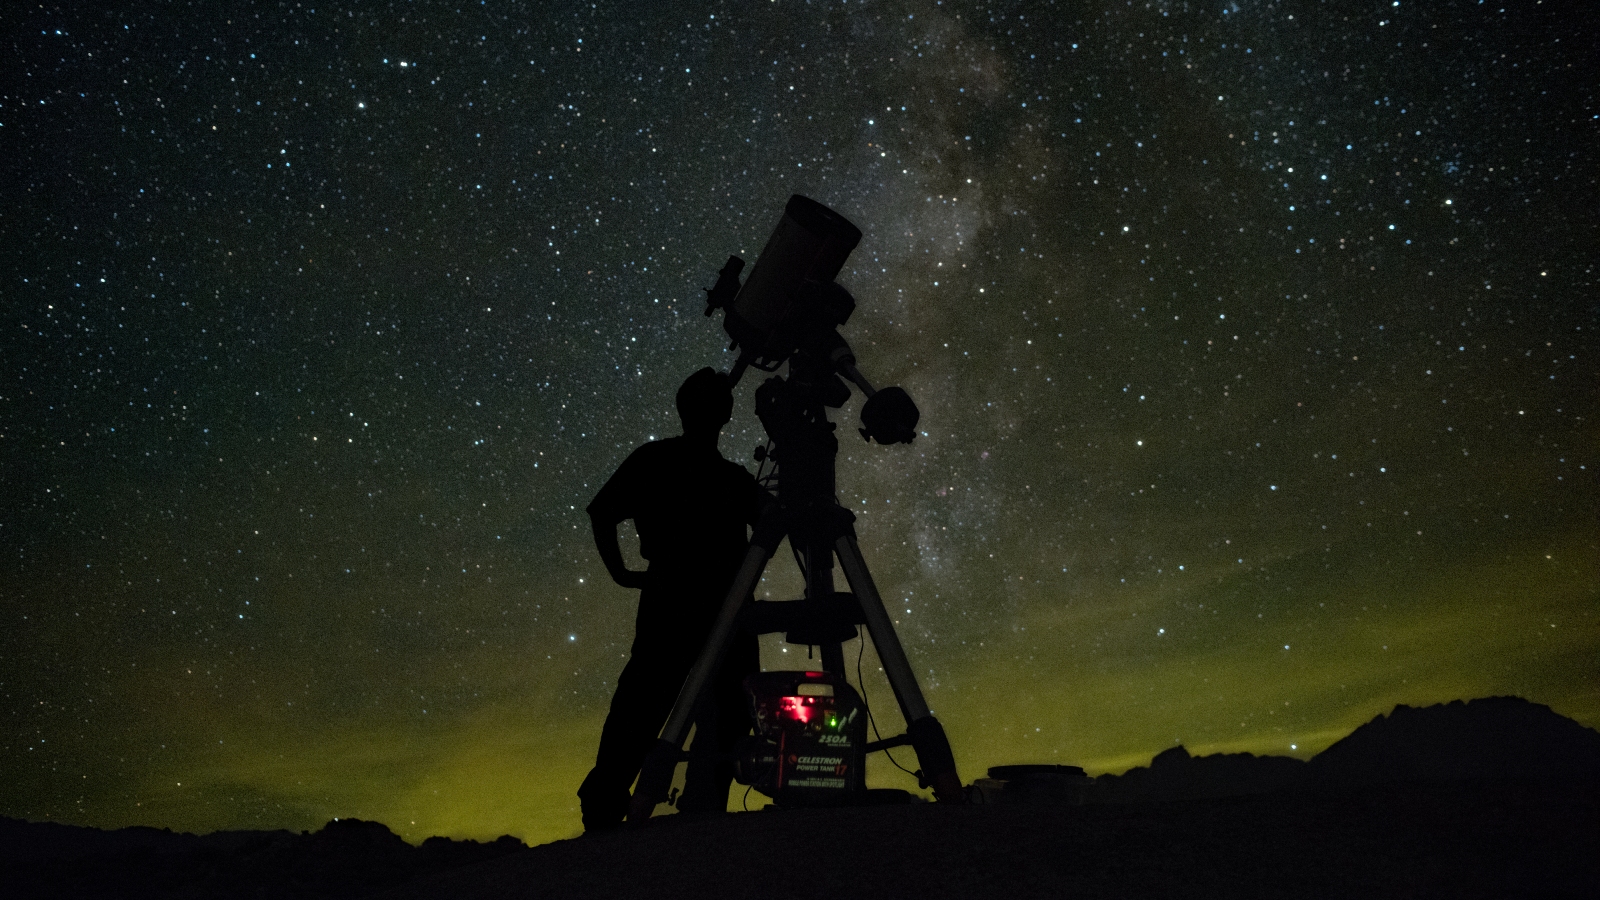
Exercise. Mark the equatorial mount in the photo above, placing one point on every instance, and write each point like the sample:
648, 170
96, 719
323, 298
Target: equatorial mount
789, 311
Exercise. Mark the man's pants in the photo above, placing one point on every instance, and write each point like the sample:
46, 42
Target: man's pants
645, 693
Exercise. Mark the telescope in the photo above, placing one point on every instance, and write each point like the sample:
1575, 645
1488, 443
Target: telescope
810, 745
790, 307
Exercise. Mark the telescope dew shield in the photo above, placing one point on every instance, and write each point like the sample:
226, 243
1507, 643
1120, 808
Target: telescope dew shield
810, 243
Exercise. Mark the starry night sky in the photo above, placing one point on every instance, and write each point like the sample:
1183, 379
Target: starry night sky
1255, 345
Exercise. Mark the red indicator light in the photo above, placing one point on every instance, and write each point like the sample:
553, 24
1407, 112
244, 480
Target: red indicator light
796, 708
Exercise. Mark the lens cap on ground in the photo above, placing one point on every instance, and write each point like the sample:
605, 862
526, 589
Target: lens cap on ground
1011, 773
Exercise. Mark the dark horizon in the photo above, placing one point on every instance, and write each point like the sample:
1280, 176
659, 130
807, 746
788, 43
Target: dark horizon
1472, 746
1254, 348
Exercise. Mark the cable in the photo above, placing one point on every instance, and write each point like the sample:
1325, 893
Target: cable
860, 652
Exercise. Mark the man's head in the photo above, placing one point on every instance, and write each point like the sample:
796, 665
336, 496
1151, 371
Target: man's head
705, 402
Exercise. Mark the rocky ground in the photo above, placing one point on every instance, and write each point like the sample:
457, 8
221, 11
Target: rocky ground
1462, 841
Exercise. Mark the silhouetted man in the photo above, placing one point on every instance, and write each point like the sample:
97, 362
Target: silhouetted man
690, 508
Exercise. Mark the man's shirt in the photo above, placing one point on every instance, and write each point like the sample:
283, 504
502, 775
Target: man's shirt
689, 505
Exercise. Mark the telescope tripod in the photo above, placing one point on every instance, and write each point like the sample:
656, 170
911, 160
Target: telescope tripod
805, 511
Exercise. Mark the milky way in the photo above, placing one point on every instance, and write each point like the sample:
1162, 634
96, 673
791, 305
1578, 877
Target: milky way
1255, 346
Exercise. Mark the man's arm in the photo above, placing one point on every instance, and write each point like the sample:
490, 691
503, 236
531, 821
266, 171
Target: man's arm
605, 540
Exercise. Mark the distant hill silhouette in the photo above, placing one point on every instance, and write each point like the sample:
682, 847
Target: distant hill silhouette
1494, 738
1489, 798
347, 857
1175, 775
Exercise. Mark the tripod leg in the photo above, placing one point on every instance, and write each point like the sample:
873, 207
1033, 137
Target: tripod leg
656, 775
927, 735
